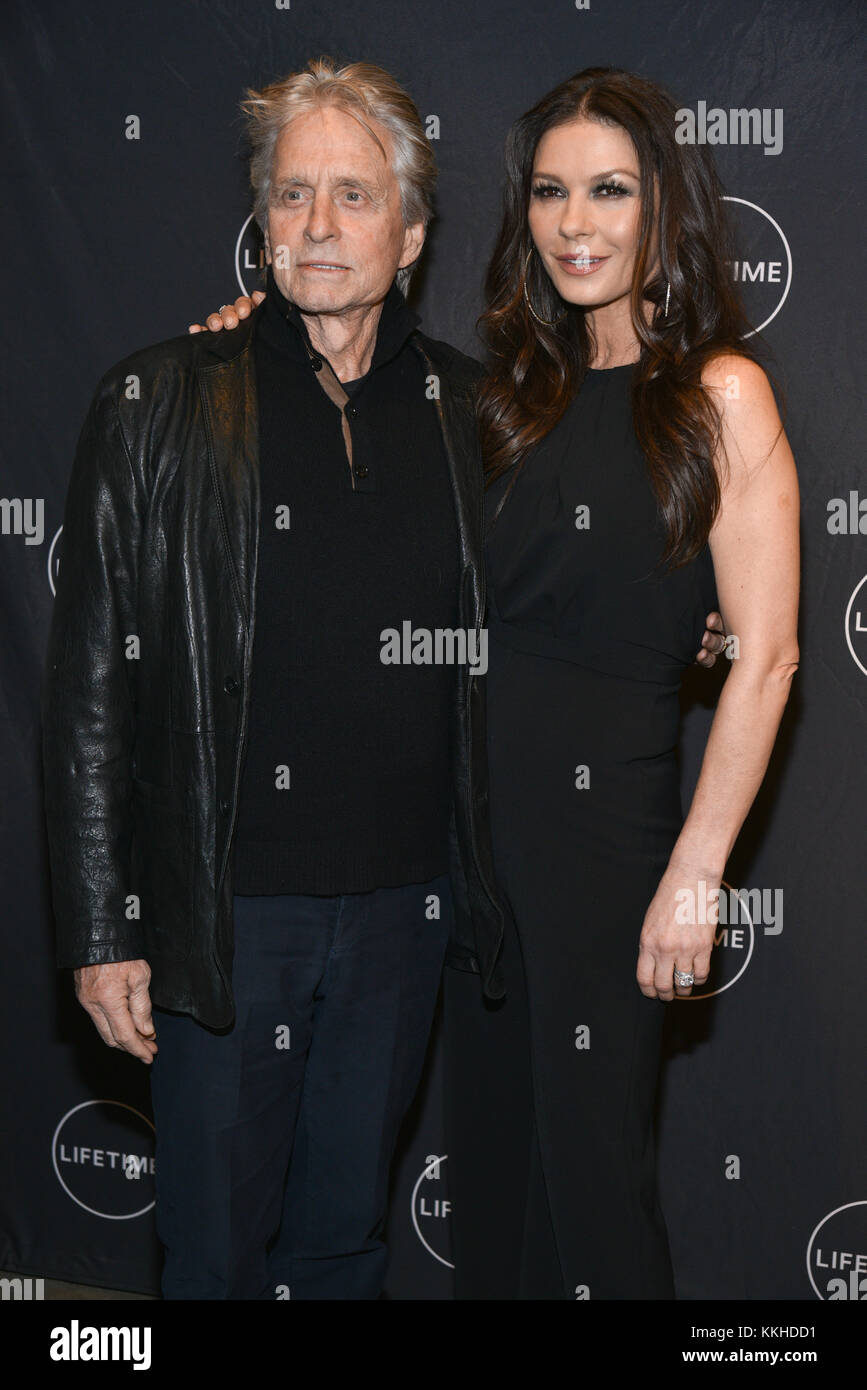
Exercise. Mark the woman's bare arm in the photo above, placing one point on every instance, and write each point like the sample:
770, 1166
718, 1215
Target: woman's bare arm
755, 548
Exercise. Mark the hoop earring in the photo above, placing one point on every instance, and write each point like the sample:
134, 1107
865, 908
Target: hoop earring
667, 297
549, 323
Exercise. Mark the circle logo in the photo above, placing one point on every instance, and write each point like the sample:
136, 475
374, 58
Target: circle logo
249, 256
837, 1254
763, 269
103, 1155
430, 1209
54, 562
733, 943
856, 626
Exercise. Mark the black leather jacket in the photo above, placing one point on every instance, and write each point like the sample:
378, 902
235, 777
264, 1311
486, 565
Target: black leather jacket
146, 688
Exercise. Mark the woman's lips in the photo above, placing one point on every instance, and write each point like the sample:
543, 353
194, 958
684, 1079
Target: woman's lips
584, 265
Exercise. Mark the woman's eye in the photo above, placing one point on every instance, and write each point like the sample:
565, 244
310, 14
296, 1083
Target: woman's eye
606, 189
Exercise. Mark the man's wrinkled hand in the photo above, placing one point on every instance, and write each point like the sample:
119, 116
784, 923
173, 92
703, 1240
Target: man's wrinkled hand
117, 998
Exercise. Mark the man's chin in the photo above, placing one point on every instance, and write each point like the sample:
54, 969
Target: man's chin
326, 299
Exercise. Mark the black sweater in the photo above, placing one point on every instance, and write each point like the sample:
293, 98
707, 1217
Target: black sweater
346, 783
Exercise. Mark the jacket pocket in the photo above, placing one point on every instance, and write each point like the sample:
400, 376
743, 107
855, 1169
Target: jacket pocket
162, 857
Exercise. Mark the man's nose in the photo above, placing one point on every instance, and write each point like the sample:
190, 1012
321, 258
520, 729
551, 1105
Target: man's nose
321, 222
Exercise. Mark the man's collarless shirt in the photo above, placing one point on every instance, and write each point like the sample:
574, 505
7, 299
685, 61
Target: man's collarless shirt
346, 784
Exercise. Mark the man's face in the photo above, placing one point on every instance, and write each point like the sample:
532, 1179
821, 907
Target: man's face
336, 236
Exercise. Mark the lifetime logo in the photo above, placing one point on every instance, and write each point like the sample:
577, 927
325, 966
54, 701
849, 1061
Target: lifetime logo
102, 1151
249, 256
855, 624
430, 1205
133, 1165
731, 911
764, 266
837, 1254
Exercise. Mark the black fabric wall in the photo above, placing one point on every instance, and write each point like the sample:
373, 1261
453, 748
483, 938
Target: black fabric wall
113, 242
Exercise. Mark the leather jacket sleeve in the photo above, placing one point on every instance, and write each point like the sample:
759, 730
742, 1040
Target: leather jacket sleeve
87, 698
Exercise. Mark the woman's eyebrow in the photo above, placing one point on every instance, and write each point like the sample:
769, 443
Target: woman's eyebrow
608, 173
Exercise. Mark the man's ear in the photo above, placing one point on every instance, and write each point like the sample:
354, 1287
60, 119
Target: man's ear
413, 241
267, 248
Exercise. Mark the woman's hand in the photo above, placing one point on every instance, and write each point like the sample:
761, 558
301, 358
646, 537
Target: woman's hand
229, 315
674, 936
713, 642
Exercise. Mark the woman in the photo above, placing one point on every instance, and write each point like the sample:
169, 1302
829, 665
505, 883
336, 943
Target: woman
638, 477
636, 464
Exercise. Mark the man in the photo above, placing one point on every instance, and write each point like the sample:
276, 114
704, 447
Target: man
257, 836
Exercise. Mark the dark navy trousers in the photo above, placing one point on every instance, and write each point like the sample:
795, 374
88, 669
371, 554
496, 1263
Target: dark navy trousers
274, 1137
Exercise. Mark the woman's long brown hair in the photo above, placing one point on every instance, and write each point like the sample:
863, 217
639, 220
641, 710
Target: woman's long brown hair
534, 371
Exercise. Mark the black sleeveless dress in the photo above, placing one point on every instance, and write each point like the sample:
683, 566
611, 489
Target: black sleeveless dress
550, 1092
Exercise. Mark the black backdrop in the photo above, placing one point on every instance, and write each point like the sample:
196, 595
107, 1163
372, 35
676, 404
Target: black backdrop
112, 242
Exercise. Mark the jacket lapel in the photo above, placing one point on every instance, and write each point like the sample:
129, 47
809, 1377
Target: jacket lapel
456, 410
227, 387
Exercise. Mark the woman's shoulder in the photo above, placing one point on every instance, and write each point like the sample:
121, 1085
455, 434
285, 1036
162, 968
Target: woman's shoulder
737, 378
750, 421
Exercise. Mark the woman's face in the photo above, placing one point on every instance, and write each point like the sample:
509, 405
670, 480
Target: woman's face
584, 211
